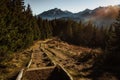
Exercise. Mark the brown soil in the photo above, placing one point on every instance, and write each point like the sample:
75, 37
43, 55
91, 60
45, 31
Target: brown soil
52, 73
39, 74
40, 59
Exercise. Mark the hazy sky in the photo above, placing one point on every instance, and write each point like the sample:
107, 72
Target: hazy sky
38, 6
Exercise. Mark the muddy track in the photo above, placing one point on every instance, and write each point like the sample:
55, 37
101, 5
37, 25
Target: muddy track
40, 59
42, 66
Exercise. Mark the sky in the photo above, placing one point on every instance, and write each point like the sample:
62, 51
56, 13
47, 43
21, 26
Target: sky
39, 6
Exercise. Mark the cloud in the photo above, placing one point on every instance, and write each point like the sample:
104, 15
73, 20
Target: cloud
107, 12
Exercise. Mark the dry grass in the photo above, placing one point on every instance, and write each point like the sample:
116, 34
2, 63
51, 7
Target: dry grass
10, 68
14, 65
78, 61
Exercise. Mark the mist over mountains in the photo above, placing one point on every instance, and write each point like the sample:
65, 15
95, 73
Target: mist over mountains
99, 16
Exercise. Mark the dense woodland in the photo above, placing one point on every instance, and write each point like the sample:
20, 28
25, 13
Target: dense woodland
19, 28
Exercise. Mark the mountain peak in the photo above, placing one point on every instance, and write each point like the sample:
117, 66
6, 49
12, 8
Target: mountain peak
55, 13
87, 9
56, 9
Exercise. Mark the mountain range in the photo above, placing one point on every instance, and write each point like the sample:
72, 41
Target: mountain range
99, 16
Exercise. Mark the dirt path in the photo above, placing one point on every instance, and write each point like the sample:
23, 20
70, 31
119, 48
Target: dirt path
59, 54
45, 53
43, 66
39, 58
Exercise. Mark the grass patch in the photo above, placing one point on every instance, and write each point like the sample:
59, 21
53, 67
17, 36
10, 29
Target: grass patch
10, 67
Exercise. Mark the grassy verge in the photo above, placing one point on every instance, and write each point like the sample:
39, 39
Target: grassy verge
10, 67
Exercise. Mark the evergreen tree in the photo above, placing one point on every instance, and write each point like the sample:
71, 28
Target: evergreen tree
113, 43
47, 29
93, 42
36, 29
4, 27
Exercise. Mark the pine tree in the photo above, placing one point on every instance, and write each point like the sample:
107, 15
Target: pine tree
113, 43
4, 27
69, 30
36, 29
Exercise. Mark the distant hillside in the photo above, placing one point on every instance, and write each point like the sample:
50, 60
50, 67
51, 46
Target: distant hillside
99, 16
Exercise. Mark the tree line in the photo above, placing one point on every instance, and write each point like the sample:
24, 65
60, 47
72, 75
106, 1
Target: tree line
83, 34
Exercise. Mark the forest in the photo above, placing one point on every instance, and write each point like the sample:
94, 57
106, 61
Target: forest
19, 28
